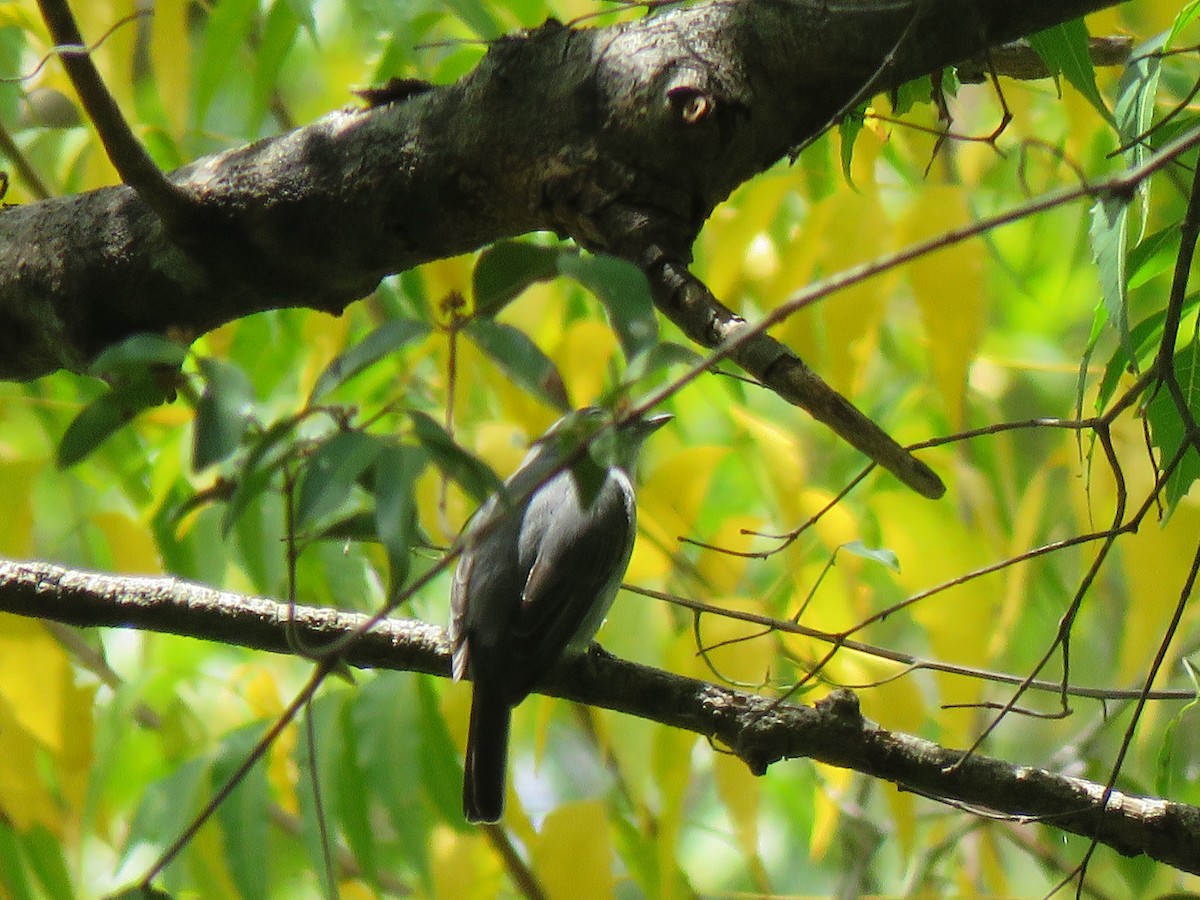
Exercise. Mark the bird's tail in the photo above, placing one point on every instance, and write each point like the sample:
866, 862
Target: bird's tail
487, 756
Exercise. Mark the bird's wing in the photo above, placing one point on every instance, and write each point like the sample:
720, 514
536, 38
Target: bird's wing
579, 559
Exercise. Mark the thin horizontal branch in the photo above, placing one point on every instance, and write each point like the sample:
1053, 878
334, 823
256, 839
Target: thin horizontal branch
759, 730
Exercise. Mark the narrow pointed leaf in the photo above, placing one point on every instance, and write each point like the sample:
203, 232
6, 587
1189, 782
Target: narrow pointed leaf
387, 338
521, 359
472, 474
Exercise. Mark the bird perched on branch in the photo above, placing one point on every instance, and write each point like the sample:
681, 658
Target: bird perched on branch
539, 569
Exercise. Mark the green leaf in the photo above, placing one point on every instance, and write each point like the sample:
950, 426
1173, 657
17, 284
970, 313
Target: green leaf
505, 270
278, 35
1135, 100
331, 473
1186, 16
396, 474
243, 813
387, 717
138, 892
1153, 256
440, 767
326, 713
266, 457
848, 131
1175, 761
625, 293
1167, 428
223, 413
229, 26
359, 527
478, 17
166, 808
353, 796
45, 854
660, 357
303, 10
137, 354
882, 555
14, 882
471, 473
521, 359
915, 92
1064, 48
1109, 233
387, 338
110, 411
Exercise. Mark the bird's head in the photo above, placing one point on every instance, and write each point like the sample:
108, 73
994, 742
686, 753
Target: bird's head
612, 442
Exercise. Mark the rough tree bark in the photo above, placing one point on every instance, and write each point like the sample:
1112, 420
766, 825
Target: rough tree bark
622, 138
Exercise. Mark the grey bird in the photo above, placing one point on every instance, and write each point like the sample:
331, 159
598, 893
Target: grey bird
538, 572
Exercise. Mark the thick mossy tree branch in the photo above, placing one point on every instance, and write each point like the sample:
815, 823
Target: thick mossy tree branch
758, 730
623, 138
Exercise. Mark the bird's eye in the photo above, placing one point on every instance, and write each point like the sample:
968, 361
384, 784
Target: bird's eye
691, 104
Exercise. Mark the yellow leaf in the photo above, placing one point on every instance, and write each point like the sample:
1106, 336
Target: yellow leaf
740, 791
1167, 552
170, 53
934, 548
670, 497
34, 676
838, 336
324, 338
24, 797
732, 231
950, 292
45, 724
780, 458
737, 650
16, 525
723, 571
131, 544
827, 799
573, 855
463, 866
582, 358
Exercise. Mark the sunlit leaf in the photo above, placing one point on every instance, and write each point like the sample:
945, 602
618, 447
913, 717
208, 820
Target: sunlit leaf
574, 849
228, 28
